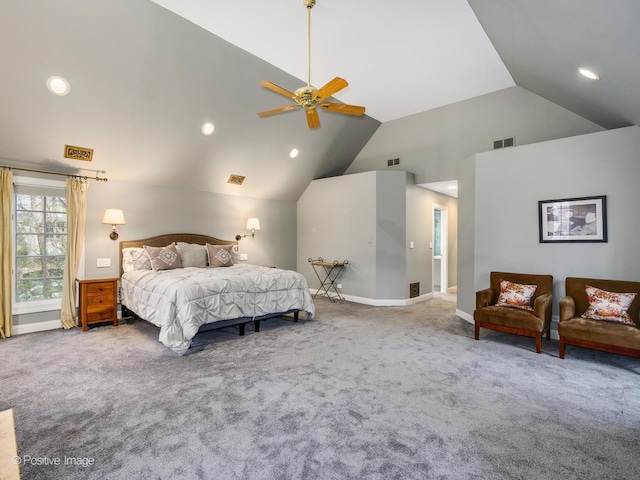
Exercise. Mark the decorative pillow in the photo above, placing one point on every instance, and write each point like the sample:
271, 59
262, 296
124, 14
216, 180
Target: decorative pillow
192, 254
235, 254
220, 255
516, 295
608, 306
164, 258
135, 258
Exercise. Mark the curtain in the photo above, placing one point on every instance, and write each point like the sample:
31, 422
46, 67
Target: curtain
6, 257
76, 222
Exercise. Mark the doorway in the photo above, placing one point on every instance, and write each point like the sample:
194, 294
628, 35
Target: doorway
439, 255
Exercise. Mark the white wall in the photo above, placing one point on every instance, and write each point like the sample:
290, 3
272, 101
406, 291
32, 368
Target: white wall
509, 184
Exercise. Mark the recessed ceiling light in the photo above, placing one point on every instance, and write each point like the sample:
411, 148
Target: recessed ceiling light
208, 128
293, 153
58, 86
590, 74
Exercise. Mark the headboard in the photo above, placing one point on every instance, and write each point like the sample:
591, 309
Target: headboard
164, 240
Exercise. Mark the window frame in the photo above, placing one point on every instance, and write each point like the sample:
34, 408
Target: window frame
35, 306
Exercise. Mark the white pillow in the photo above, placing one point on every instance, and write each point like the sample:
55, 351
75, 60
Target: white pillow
135, 258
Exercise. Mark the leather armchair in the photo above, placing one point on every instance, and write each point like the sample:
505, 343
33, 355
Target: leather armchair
515, 320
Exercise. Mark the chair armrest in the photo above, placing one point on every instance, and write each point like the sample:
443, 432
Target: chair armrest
485, 297
567, 309
542, 307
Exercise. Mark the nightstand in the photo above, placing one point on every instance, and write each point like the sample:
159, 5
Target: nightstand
98, 301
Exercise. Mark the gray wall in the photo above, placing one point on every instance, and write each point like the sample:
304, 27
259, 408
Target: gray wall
337, 221
433, 144
369, 219
509, 184
420, 203
152, 210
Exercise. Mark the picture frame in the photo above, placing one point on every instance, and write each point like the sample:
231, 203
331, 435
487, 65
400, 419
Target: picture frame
570, 220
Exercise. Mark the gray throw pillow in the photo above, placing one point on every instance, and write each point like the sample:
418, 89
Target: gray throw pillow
192, 255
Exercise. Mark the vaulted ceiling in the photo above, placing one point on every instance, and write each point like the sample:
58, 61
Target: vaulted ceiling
145, 75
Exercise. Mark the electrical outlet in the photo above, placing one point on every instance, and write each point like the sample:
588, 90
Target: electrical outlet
103, 263
244, 257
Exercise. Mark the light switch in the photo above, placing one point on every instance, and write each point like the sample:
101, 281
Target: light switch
430, 244
410, 244
103, 262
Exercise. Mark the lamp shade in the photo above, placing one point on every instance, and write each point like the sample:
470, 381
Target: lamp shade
253, 224
113, 217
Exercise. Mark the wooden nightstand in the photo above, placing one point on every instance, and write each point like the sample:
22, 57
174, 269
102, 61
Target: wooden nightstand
98, 301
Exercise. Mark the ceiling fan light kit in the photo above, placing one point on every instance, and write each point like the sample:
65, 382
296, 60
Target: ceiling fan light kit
310, 97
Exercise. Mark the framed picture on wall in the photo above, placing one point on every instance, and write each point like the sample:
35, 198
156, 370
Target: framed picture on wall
573, 220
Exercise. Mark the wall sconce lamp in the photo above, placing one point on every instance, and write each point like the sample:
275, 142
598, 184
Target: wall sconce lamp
253, 224
113, 217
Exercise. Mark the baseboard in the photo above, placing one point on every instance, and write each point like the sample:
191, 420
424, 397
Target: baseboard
464, 315
401, 302
36, 327
453, 289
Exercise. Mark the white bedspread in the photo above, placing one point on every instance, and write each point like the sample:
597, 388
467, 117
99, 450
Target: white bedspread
180, 301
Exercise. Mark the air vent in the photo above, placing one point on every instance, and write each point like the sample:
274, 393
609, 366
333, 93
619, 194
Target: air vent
236, 179
392, 162
78, 153
506, 142
414, 290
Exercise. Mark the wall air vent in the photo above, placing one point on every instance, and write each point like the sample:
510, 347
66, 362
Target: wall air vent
506, 142
236, 179
78, 153
414, 290
392, 162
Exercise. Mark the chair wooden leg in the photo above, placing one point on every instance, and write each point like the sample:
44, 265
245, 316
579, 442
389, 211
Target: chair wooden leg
549, 333
539, 343
561, 352
476, 331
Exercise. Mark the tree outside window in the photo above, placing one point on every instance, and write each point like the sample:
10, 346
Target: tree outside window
41, 243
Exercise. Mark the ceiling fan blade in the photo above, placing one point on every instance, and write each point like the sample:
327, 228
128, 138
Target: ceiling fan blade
313, 120
277, 89
342, 108
278, 110
330, 88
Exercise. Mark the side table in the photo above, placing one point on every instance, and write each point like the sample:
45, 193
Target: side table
328, 273
98, 301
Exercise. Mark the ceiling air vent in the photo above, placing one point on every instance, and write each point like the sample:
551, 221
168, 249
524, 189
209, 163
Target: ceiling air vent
392, 162
236, 179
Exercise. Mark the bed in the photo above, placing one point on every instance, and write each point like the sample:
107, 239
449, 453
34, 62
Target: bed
192, 298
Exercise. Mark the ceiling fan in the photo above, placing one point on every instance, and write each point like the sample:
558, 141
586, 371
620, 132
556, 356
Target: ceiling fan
310, 97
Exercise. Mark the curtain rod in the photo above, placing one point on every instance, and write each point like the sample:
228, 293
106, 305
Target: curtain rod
84, 177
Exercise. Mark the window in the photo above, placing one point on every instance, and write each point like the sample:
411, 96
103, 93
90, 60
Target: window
40, 243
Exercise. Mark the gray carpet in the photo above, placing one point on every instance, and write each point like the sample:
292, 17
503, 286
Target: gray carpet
359, 393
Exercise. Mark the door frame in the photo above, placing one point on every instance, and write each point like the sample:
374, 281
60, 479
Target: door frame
444, 238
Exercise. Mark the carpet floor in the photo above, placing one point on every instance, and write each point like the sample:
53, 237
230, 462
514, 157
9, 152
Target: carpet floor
358, 393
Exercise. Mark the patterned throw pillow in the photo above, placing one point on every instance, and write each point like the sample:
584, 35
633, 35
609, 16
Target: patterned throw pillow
608, 306
220, 255
516, 295
235, 254
164, 258
192, 254
135, 258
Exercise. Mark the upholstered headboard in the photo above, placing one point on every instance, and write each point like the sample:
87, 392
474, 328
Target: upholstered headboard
164, 240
